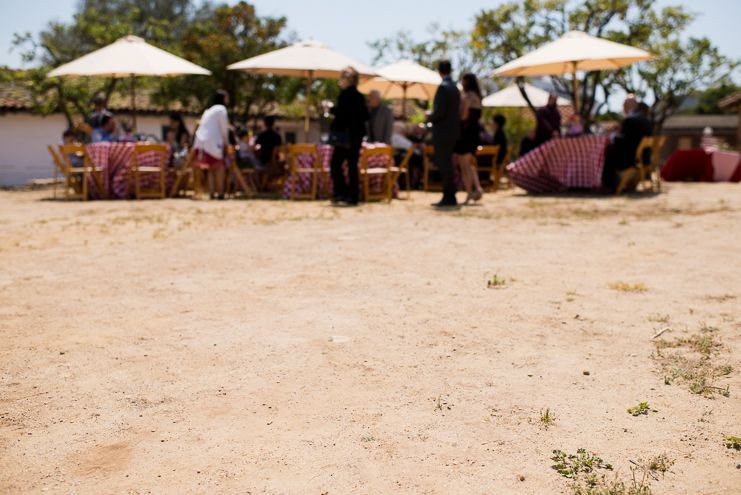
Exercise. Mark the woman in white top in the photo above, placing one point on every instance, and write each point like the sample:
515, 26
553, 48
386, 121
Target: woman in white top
211, 142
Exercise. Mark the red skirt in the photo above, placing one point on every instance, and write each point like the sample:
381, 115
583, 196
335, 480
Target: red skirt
204, 161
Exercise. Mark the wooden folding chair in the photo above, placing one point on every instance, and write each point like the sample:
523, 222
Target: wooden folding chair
80, 174
402, 168
502, 169
384, 171
244, 177
429, 151
183, 175
638, 167
493, 153
656, 162
60, 167
294, 150
137, 169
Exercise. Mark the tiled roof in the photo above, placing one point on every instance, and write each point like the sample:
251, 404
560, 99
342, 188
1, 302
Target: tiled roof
15, 96
730, 103
701, 122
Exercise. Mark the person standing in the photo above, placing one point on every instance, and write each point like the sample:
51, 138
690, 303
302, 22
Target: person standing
446, 130
96, 118
470, 114
346, 135
548, 121
381, 120
212, 139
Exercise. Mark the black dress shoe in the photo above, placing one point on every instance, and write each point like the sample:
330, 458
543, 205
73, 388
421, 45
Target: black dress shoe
445, 203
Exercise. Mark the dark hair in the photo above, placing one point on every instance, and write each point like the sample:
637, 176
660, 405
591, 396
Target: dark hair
269, 121
470, 83
107, 117
181, 126
68, 133
220, 97
444, 67
500, 120
99, 100
644, 109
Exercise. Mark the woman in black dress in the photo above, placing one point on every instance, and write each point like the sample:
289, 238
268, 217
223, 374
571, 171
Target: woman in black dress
469, 141
348, 129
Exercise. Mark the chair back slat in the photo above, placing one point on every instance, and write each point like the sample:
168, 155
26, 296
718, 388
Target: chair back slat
378, 150
646, 142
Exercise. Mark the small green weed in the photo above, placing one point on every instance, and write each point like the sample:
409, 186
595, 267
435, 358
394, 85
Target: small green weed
496, 282
705, 417
623, 287
367, 438
659, 318
641, 408
547, 418
660, 463
732, 442
571, 465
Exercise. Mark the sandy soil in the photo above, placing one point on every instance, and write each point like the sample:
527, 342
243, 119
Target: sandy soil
183, 346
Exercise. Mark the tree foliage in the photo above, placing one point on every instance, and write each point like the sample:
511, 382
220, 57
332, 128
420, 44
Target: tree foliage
212, 36
500, 35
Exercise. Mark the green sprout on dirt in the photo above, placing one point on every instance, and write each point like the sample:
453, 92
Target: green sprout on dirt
641, 408
659, 318
623, 287
571, 465
699, 372
367, 438
547, 418
496, 282
660, 463
705, 417
732, 442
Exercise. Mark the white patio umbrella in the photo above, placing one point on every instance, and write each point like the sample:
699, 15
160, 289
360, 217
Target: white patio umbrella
129, 56
307, 59
403, 79
512, 97
572, 52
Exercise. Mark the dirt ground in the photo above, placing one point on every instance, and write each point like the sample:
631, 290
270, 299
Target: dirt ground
180, 346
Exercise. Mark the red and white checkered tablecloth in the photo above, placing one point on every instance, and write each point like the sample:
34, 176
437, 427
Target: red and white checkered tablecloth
561, 163
115, 160
305, 160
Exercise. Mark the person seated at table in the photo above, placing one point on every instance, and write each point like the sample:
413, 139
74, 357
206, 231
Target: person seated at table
212, 141
245, 149
402, 143
528, 142
500, 138
381, 123
266, 142
548, 121
621, 152
182, 136
68, 137
107, 132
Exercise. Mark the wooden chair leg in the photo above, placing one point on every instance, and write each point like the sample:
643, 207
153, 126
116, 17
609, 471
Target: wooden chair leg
628, 175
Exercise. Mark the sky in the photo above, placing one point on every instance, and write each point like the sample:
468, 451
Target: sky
347, 25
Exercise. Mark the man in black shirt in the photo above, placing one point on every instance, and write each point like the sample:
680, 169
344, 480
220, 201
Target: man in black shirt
268, 140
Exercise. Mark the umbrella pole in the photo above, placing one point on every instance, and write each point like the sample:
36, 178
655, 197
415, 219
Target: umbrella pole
576, 91
308, 103
404, 105
133, 104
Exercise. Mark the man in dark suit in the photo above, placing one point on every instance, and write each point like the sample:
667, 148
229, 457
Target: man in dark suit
621, 153
446, 130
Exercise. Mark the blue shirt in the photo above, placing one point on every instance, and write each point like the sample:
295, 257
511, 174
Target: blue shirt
101, 136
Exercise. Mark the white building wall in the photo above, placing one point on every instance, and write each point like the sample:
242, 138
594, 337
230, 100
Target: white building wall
24, 137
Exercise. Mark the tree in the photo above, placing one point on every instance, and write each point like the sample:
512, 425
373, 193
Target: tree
97, 24
682, 68
708, 101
